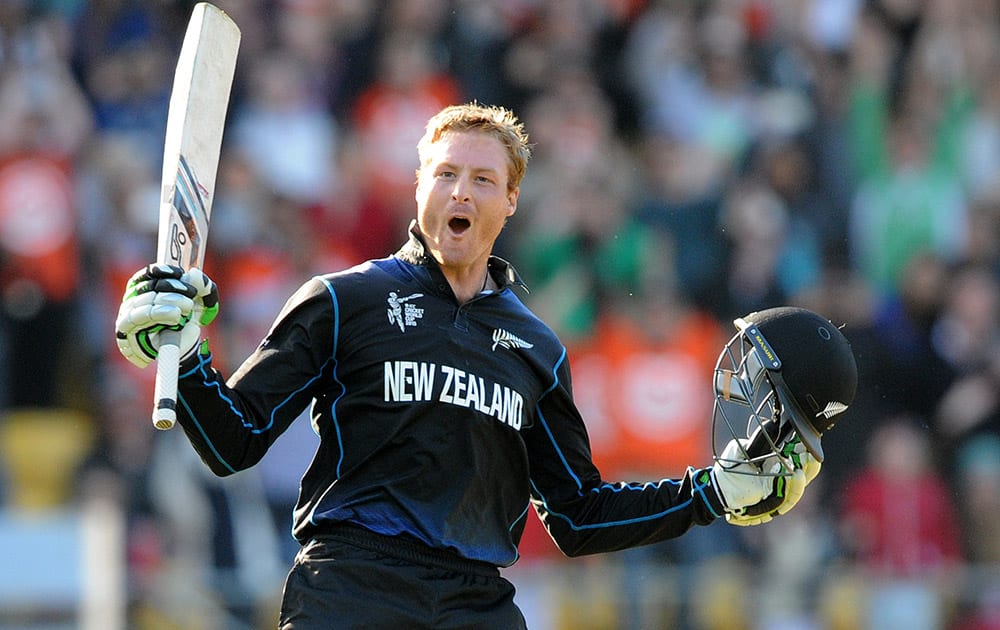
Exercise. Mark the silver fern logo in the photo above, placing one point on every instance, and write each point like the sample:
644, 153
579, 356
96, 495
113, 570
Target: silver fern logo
832, 409
507, 340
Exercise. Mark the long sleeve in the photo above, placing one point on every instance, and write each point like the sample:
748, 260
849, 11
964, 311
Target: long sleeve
232, 423
585, 514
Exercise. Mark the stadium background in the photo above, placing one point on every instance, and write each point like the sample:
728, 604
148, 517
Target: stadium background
693, 161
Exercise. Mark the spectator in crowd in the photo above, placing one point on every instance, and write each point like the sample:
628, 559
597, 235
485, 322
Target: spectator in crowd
966, 335
45, 119
586, 245
910, 198
899, 521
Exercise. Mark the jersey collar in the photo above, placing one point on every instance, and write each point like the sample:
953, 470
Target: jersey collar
415, 253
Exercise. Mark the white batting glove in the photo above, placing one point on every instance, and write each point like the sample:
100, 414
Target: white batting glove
787, 490
739, 484
160, 297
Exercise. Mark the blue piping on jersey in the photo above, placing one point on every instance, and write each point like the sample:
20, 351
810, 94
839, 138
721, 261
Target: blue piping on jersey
333, 375
630, 521
288, 399
699, 489
521, 517
200, 367
204, 435
524, 513
343, 390
545, 425
209, 380
579, 484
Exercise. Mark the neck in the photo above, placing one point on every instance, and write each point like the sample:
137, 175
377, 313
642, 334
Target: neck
468, 285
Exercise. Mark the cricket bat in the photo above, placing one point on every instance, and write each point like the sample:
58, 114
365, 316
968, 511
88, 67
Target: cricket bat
195, 121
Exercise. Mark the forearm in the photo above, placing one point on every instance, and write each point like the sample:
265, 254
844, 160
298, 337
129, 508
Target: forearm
228, 433
611, 517
585, 514
233, 422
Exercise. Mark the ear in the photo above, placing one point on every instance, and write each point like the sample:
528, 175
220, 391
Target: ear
512, 201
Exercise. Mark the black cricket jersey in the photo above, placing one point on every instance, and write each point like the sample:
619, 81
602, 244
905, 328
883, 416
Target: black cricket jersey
438, 421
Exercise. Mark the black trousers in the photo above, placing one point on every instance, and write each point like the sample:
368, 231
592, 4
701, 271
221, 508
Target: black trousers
355, 579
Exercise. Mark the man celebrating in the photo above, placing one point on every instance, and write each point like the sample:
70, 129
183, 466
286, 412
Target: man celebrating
444, 409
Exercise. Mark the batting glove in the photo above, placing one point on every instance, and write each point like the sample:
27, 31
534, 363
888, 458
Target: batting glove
160, 297
787, 490
740, 484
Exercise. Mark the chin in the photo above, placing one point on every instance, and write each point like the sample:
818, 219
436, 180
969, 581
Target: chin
451, 259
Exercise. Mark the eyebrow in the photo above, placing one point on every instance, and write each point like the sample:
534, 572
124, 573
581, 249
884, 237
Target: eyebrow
475, 169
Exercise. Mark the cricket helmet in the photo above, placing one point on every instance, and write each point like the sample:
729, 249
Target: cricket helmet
786, 372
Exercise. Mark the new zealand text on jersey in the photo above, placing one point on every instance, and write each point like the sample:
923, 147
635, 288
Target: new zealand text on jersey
415, 381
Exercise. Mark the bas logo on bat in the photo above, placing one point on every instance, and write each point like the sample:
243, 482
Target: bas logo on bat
191, 202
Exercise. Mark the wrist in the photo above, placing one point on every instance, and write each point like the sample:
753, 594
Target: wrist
706, 488
196, 355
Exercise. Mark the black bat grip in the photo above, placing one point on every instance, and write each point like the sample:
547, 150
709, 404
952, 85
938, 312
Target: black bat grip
760, 447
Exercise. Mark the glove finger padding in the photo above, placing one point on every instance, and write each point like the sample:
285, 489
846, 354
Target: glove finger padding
795, 487
160, 297
787, 490
206, 305
158, 277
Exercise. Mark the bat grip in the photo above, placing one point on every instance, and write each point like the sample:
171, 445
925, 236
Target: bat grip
757, 450
167, 362
759, 446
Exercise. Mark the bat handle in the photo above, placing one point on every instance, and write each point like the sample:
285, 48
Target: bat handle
759, 446
167, 362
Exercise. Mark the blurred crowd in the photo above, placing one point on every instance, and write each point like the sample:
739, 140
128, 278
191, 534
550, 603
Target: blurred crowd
693, 161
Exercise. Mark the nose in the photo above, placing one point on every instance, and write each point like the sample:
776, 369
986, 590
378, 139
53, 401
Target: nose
460, 190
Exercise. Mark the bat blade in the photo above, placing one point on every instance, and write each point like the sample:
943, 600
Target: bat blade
195, 122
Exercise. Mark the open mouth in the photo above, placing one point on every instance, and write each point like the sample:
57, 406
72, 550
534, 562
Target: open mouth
459, 225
